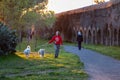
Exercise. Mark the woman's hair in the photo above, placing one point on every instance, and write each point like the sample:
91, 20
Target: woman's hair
79, 33
57, 32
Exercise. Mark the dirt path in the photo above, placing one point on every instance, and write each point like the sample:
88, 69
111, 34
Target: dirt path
98, 67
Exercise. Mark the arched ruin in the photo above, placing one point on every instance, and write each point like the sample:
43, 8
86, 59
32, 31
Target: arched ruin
99, 24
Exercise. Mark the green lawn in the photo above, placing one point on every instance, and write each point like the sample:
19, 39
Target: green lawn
17, 67
112, 51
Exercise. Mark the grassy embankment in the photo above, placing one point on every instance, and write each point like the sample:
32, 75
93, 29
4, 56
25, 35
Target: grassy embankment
17, 67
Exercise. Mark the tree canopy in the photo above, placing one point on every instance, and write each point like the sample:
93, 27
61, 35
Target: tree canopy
25, 12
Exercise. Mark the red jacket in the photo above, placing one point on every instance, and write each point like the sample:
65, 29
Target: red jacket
57, 40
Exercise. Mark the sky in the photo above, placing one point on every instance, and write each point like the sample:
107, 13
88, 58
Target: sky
65, 5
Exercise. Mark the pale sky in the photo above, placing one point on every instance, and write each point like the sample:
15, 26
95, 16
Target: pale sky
65, 5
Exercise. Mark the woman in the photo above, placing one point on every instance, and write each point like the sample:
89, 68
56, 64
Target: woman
79, 39
57, 39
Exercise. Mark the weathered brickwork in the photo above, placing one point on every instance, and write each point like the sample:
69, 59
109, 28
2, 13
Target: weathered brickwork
100, 24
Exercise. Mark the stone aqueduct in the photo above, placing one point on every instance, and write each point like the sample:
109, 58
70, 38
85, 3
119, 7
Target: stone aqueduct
99, 24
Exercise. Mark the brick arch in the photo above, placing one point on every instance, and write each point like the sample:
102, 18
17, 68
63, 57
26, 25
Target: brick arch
110, 29
93, 35
115, 36
106, 36
84, 34
109, 35
74, 34
89, 35
119, 37
98, 35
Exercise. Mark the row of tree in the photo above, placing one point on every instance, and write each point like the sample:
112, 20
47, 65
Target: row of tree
26, 15
23, 13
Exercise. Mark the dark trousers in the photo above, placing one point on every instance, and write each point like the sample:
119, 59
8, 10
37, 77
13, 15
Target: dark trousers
79, 45
57, 48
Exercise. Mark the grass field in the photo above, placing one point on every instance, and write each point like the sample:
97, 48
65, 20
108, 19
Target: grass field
17, 67
112, 51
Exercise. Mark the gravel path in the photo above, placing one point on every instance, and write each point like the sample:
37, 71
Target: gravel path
98, 67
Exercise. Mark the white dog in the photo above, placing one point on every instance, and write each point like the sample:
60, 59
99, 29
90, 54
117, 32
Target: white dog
27, 51
41, 52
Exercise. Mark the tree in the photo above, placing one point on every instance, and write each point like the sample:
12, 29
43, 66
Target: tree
22, 14
11, 11
8, 40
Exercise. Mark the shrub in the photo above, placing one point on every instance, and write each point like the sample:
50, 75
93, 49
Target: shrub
8, 40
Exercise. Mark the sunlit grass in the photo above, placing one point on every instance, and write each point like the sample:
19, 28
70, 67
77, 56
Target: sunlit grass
34, 55
18, 67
